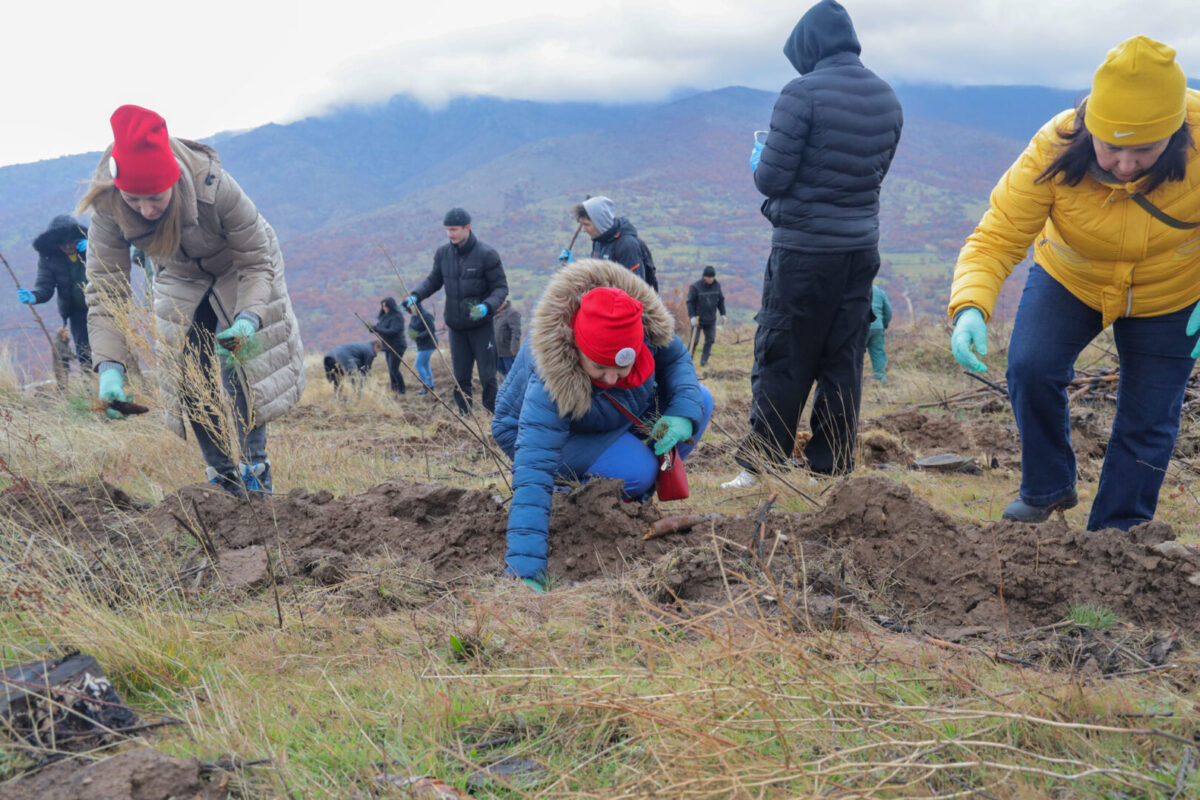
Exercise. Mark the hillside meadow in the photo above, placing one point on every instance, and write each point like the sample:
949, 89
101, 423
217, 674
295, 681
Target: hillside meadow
880, 636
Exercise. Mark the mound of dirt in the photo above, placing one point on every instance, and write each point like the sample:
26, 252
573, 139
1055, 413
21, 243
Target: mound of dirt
930, 435
132, 775
87, 511
876, 539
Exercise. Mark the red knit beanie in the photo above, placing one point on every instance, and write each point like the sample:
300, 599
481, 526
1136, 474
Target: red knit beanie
142, 161
608, 327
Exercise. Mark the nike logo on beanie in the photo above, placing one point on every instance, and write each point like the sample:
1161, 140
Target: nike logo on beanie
1119, 135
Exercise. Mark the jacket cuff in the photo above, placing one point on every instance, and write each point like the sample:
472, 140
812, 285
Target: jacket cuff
250, 317
105, 366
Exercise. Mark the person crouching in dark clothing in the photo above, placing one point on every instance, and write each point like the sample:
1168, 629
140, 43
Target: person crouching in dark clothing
351, 361
390, 326
508, 337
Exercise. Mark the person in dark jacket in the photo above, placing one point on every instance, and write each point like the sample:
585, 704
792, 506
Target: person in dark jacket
508, 336
475, 285
423, 332
704, 301
834, 131
352, 360
389, 327
62, 271
599, 334
613, 238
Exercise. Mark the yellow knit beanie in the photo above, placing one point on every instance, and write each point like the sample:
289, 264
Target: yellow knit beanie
1139, 94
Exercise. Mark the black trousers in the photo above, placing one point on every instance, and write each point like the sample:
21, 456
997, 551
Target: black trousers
395, 371
468, 349
709, 329
812, 327
79, 332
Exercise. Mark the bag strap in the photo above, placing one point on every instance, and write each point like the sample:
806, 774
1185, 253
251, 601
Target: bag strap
636, 422
1161, 215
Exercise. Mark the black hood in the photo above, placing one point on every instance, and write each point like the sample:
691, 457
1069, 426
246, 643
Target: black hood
389, 303
63, 229
824, 30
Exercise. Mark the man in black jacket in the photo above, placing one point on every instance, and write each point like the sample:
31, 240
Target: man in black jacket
834, 131
62, 270
476, 287
390, 326
508, 336
613, 238
704, 301
352, 360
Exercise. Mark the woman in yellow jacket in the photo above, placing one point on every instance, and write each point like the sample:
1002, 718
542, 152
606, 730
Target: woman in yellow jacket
1109, 195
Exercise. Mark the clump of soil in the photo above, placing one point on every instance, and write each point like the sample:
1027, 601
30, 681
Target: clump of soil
930, 435
880, 447
86, 512
132, 775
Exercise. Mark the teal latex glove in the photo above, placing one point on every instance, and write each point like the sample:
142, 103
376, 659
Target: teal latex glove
241, 331
970, 331
566, 256
480, 311
410, 301
534, 584
670, 431
25, 296
1193, 326
756, 156
81, 247
112, 387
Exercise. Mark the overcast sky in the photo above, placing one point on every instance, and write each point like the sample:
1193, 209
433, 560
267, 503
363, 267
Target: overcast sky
219, 65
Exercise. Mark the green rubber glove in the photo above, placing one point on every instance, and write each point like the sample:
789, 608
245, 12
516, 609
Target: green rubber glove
241, 331
1193, 326
970, 331
112, 387
534, 584
670, 431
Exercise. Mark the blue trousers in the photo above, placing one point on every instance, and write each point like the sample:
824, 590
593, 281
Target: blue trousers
423, 368
1051, 330
630, 459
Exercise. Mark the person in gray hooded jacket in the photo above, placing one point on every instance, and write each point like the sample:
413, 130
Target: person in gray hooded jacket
834, 131
613, 238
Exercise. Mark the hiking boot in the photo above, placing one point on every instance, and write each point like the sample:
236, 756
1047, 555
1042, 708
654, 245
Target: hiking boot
256, 478
1020, 511
225, 480
744, 480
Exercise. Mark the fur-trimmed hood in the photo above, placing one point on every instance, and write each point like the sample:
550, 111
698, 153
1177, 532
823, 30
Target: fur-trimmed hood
63, 229
553, 341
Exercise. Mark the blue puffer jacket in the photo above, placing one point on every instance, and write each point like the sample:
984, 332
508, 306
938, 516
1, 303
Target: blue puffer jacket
550, 418
833, 134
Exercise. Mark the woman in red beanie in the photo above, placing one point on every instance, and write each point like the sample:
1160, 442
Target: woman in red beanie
1109, 196
219, 290
599, 334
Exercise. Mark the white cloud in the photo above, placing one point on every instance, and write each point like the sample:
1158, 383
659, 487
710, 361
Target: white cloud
229, 64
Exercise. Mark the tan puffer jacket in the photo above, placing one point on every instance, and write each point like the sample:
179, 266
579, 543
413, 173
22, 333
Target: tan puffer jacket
227, 247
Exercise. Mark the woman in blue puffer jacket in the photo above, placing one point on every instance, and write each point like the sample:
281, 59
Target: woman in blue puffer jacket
599, 332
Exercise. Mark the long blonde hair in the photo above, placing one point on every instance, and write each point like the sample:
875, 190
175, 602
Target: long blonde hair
162, 243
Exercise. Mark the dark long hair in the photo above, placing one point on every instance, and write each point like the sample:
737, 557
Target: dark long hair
1079, 154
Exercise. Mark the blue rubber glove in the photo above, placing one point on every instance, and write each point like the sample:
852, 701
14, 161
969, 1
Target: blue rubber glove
81, 247
970, 331
566, 256
534, 584
25, 296
670, 431
1193, 326
410, 301
756, 156
479, 312
241, 331
112, 387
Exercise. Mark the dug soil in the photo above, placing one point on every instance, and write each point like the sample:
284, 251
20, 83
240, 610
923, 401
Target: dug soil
873, 545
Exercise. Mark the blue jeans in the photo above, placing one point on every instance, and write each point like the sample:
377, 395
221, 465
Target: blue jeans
630, 459
1051, 330
423, 368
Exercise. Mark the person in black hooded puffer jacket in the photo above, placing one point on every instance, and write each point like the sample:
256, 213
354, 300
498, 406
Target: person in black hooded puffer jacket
834, 131
390, 327
62, 270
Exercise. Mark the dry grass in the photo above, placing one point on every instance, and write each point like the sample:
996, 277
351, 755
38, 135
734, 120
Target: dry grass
613, 696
